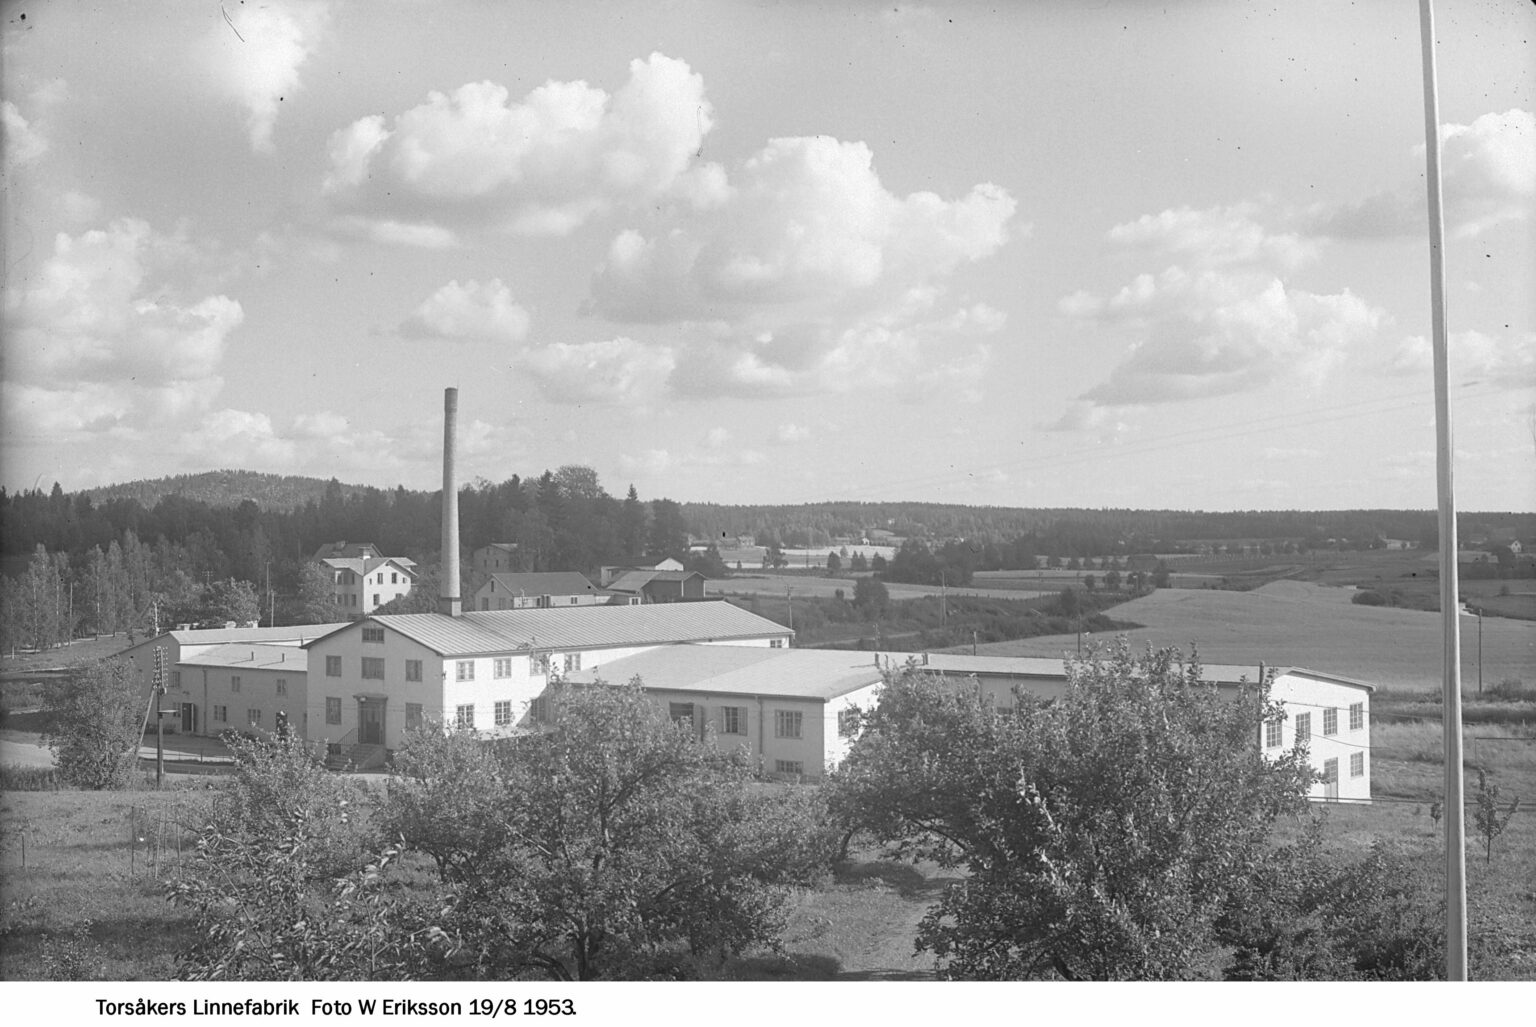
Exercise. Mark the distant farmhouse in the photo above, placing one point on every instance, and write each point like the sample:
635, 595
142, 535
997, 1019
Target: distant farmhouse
659, 586
543, 590
362, 578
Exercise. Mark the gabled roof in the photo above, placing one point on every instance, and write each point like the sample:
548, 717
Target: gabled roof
739, 670
252, 656
542, 583
485, 632
634, 581
345, 550
292, 634
369, 564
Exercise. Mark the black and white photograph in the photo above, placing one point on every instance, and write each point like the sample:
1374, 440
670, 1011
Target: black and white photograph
746, 495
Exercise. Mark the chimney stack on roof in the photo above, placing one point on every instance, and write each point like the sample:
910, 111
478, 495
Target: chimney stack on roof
448, 595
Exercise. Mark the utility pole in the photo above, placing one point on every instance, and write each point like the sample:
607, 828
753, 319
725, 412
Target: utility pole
1455, 808
157, 691
789, 594
1479, 650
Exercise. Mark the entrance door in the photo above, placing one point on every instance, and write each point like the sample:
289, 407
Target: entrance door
189, 718
370, 722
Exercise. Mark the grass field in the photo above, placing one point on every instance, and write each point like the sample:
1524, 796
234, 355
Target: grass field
82, 875
1303, 624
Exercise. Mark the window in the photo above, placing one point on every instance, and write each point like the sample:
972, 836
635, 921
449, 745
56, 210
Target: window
573, 600
373, 634
681, 713
464, 670
176, 679
1357, 764
1356, 716
786, 723
221, 714
1272, 733
776, 643
394, 578
1330, 721
253, 718
572, 661
373, 667
333, 666
503, 712
234, 682
794, 767
538, 710
413, 670
464, 717
282, 686
1330, 772
375, 599
538, 663
847, 723
333, 711
733, 720
413, 716
503, 667
1303, 728
352, 599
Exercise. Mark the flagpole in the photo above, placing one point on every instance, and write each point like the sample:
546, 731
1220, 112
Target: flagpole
1455, 808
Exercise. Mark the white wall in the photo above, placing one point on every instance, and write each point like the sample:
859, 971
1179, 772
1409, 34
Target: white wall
1304, 694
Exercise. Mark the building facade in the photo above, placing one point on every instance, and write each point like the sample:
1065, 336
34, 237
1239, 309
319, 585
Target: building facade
539, 591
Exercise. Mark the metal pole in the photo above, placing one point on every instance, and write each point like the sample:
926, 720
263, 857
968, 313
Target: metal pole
1479, 650
1455, 819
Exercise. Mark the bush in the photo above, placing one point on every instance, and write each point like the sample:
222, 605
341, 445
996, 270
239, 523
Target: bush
16, 778
96, 720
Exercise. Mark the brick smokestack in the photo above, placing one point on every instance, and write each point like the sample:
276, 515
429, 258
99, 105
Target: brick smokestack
448, 596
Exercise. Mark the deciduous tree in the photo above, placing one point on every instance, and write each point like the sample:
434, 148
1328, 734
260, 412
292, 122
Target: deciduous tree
95, 720
1101, 833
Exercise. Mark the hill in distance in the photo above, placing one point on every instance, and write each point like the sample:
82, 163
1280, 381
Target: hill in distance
279, 492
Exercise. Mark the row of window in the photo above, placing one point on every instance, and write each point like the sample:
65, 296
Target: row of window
221, 715
373, 668
1356, 768
1272, 738
235, 684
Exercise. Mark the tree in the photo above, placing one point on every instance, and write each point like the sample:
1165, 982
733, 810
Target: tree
858, 564
669, 532
1112, 580
1489, 820
231, 600
834, 563
605, 845
707, 563
1090, 582
314, 602
1102, 832
773, 556
95, 724
287, 882
870, 597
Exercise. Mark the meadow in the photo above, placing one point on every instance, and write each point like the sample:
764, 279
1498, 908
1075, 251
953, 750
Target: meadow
1305, 624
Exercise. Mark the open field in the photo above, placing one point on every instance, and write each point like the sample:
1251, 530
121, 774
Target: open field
807, 585
1303, 624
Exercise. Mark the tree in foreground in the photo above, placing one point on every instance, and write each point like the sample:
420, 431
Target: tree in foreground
95, 717
288, 883
1101, 832
606, 847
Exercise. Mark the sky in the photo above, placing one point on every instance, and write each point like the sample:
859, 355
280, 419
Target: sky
1117, 254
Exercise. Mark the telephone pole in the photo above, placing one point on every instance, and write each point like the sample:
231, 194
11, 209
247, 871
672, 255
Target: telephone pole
1455, 809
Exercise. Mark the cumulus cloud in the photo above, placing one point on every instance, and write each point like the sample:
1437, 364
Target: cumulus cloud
21, 141
788, 434
1487, 175
469, 311
1506, 361
101, 337
256, 59
612, 371
542, 165
1214, 237
1212, 333
807, 219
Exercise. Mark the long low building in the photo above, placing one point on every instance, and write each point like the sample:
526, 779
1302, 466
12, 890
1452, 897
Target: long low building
377, 678
790, 708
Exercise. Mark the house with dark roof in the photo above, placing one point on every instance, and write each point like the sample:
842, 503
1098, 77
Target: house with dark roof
659, 586
542, 590
362, 579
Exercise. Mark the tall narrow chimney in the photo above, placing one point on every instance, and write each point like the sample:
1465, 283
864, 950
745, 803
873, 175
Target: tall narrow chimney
448, 595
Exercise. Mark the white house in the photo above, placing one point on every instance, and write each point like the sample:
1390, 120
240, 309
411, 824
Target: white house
184, 648
1330, 713
793, 711
376, 678
247, 687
